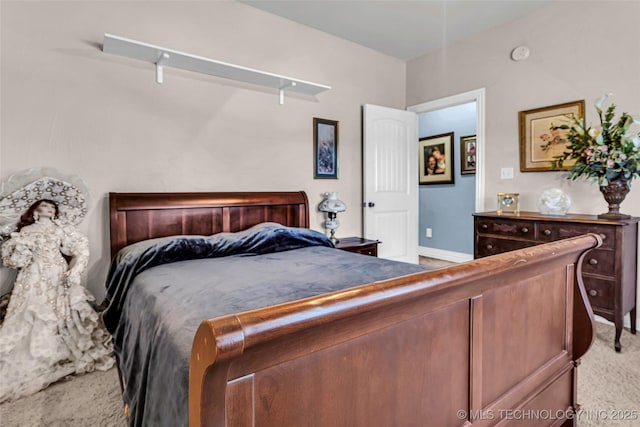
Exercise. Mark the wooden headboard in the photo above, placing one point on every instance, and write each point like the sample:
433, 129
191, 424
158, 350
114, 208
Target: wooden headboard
139, 216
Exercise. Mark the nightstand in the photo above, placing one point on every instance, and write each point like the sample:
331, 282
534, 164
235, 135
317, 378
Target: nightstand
358, 245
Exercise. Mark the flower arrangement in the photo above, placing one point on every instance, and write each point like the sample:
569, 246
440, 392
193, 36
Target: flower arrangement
604, 153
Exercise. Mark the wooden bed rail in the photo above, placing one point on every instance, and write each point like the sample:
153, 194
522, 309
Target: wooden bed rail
477, 339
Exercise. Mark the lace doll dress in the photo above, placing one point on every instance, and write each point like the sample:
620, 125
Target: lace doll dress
50, 330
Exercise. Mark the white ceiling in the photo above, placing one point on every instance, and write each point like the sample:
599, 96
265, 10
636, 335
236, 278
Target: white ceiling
400, 28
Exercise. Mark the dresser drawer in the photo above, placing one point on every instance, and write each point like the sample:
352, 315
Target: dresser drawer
365, 250
546, 232
608, 234
599, 261
491, 246
600, 291
359, 245
520, 229
549, 232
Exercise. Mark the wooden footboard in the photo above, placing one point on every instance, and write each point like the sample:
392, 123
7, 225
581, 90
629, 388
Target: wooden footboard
494, 340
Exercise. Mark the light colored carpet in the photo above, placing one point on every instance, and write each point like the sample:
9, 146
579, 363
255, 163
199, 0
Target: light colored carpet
79, 401
608, 383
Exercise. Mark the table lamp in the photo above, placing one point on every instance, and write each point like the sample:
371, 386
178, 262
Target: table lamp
332, 205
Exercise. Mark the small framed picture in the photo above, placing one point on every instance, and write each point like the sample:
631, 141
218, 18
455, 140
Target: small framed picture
538, 143
325, 148
436, 159
467, 154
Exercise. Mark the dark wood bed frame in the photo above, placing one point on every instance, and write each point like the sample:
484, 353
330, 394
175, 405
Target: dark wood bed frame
492, 341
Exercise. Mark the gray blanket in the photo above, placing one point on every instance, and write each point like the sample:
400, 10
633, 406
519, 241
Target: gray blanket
165, 305
263, 238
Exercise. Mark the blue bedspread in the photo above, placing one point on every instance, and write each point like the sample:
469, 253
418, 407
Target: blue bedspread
164, 305
263, 238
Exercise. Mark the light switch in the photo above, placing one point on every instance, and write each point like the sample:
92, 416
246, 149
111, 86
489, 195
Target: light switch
506, 173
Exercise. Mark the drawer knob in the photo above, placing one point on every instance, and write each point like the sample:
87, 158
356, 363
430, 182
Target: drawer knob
524, 229
603, 236
489, 246
547, 232
484, 226
593, 292
593, 261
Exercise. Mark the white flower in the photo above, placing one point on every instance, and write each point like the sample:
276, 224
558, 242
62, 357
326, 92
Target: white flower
600, 101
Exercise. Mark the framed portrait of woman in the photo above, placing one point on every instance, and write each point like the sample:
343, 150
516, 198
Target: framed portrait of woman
436, 159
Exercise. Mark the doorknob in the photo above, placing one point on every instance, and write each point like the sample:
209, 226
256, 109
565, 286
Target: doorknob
371, 204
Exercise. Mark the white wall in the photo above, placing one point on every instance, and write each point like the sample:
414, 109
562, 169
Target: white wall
579, 50
68, 105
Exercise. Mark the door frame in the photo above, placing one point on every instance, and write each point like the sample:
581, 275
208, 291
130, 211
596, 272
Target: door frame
478, 96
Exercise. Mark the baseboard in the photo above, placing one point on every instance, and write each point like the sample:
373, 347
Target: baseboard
443, 254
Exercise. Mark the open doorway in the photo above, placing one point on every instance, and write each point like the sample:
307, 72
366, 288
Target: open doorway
449, 220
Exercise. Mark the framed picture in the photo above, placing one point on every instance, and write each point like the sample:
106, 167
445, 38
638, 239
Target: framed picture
467, 154
535, 133
436, 159
325, 148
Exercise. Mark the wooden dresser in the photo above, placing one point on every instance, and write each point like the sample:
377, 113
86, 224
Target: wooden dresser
609, 272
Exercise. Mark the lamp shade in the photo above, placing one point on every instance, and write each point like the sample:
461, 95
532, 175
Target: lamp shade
332, 203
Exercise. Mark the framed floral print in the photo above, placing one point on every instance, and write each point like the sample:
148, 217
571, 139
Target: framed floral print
535, 133
325, 148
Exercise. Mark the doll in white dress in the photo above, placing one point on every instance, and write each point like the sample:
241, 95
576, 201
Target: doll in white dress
50, 329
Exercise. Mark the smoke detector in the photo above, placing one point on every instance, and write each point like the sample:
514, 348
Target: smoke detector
520, 53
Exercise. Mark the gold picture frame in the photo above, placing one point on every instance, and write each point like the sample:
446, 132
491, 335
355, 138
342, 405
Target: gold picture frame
534, 126
468, 154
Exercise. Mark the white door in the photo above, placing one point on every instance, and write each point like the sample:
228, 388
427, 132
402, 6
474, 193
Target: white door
390, 181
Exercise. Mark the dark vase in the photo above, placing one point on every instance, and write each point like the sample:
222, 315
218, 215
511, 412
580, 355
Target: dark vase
614, 193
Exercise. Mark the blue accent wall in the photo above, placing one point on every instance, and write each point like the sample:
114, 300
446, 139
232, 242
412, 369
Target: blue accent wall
447, 208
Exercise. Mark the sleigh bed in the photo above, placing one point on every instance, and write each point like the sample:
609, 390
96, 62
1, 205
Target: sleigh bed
356, 341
